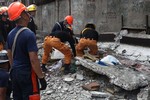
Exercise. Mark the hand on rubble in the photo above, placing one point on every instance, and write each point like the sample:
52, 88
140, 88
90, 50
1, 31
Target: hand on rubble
43, 84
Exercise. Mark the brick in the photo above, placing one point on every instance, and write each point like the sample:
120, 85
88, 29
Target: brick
91, 86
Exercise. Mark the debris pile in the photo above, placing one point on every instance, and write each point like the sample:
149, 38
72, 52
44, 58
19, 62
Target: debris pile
92, 81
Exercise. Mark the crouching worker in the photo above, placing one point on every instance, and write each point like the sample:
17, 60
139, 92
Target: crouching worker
22, 53
57, 40
88, 39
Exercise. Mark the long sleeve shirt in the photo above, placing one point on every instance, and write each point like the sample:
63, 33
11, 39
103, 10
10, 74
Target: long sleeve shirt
65, 36
89, 33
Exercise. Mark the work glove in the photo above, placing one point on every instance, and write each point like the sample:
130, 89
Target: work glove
43, 83
44, 69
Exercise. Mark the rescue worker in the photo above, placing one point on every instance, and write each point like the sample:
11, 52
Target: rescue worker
5, 26
62, 25
32, 11
2, 28
24, 60
88, 39
57, 40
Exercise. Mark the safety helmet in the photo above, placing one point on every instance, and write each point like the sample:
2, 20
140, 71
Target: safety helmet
3, 9
90, 25
15, 9
69, 19
32, 7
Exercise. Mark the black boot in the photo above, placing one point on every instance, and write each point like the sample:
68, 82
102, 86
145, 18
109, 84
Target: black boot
66, 69
44, 69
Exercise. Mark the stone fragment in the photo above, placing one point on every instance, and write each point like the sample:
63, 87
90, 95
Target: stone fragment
110, 90
100, 94
79, 77
68, 79
49, 92
144, 94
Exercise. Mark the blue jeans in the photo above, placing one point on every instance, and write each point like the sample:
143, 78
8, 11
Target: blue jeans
21, 83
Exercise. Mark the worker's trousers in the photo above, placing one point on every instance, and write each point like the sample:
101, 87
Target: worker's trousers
21, 83
86, 43
4, 77
53, 42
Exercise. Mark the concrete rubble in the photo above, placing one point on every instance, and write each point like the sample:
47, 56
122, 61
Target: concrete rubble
116, 86
144, 94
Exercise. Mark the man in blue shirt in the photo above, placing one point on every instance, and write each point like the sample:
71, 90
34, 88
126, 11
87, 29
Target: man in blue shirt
24, 60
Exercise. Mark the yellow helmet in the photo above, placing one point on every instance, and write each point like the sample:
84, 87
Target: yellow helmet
32, 7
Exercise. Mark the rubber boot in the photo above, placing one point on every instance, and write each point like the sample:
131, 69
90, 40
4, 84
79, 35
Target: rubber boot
66, 69
44, 69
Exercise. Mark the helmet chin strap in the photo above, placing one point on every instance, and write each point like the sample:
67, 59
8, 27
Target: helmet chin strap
30, 17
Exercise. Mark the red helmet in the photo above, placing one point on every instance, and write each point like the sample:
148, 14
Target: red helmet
69, 19
15, 9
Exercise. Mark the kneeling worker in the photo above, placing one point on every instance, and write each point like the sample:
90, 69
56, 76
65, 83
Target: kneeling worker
57, 40
88, 39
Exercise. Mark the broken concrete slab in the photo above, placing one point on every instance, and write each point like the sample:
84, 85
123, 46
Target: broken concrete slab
120, 75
